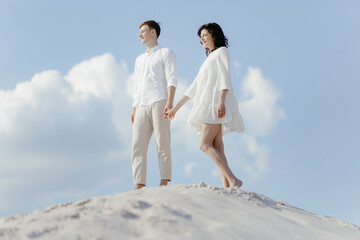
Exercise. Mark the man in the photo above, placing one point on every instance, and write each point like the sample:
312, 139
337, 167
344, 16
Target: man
155, 83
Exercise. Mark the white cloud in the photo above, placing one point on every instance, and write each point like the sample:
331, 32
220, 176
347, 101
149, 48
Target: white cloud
260, 105
260, 157
63, 132
261, 112
27, 97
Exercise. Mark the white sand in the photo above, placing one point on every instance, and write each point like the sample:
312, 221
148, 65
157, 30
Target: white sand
176, 212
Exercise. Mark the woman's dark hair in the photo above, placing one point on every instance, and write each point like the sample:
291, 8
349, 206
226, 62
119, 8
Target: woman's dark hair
216, 33
152, 25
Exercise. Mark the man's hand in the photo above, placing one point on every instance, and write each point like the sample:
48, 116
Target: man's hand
170, 114
132, 117
170, 100
168, 106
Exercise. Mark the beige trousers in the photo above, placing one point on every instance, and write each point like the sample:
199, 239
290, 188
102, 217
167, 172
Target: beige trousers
149, 119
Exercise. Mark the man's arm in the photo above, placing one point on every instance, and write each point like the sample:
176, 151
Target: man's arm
135, 95
170, 100
171, 77
171, 113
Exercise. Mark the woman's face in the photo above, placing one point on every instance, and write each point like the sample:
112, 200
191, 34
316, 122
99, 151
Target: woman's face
206, 39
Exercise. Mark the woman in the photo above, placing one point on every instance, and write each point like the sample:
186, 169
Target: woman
215, 110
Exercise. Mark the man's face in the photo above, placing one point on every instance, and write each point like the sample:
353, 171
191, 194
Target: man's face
147, 35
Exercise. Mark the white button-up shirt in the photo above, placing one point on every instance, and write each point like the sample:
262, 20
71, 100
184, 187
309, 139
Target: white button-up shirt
154, 72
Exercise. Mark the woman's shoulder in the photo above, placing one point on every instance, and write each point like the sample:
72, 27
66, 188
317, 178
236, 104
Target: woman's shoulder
224, 50
222, 53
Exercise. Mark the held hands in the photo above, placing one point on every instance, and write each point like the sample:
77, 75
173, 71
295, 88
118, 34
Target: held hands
170, 114
168, 106
167, 110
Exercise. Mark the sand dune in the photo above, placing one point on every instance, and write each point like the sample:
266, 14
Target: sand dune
178, 211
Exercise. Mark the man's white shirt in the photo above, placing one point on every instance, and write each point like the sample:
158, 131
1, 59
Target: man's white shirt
155, 71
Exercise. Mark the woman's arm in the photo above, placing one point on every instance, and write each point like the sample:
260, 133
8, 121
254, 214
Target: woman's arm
133, 114
221, 111
170, 114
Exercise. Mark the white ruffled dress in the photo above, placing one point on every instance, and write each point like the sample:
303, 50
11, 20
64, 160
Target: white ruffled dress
214, 75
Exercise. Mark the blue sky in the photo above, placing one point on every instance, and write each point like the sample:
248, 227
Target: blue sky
65, 99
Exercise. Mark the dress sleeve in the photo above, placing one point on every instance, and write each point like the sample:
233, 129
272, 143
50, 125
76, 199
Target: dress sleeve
191, 91
170, 68
223, 64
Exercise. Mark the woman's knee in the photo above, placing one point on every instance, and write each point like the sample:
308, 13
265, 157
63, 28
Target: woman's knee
205, 146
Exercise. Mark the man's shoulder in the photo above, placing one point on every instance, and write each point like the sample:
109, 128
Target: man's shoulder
166, 52
165, 49
140, 57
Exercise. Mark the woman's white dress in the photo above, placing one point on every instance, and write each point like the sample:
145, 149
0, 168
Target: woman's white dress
214, 75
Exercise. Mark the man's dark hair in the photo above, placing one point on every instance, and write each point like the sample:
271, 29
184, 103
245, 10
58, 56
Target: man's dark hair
152, 25
217, 34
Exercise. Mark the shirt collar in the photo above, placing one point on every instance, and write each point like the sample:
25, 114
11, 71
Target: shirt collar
154, 49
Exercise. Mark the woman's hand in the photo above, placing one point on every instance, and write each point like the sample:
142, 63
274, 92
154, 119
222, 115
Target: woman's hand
221, 111
132, 117
170, 114
168, 106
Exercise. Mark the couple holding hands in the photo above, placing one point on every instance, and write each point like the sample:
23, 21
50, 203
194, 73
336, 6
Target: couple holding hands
215, 111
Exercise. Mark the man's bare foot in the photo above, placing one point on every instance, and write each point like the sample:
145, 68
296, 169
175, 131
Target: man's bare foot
138, 186
164, 182
236, 183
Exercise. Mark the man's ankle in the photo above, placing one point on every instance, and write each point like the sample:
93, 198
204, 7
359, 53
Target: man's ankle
164, 182
138, 186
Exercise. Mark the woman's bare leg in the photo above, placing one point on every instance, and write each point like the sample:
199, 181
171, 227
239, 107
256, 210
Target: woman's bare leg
219, 145
224, 181
208, 135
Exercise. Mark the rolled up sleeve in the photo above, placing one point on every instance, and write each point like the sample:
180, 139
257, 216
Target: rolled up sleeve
170, 68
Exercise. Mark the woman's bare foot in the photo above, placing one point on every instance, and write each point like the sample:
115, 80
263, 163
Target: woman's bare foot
236, 183
164, 182
138, 186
